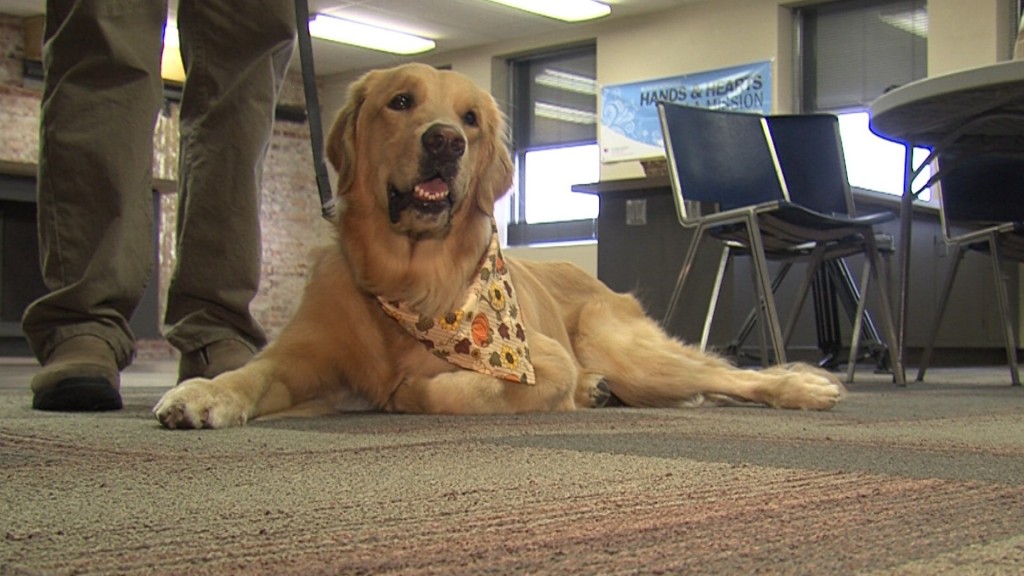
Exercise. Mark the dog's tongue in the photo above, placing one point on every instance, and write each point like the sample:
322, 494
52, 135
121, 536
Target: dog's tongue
431, 190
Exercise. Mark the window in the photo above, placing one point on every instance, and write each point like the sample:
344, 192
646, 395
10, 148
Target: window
874, 163
554, 135
549, 176
852, 51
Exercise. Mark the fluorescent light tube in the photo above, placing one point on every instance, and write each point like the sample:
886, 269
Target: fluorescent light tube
913, 21
567, 10
566, 81
366, 36
564, 113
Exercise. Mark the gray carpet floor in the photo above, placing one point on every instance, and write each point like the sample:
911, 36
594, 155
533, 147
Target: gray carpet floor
923, 480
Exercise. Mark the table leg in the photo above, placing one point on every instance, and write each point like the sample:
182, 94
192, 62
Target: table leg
906, 215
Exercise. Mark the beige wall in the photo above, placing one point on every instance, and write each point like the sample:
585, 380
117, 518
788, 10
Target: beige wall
694, 38
966, 33
712, 34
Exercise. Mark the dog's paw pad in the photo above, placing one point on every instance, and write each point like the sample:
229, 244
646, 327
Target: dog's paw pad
601, 394
817, 393
198, 403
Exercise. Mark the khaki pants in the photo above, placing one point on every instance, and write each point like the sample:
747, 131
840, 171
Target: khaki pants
101, 96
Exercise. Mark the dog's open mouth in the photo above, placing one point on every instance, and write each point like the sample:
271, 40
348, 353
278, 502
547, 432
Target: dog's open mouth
428, 197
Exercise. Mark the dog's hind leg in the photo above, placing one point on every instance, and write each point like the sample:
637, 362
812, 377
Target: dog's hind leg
643, 366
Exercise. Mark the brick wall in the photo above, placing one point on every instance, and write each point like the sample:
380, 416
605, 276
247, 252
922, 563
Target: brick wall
19, 107
290, 210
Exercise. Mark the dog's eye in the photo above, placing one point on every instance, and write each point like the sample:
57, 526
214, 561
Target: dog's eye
469, 118
401, 102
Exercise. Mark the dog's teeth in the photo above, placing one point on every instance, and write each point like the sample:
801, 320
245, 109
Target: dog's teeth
431, 191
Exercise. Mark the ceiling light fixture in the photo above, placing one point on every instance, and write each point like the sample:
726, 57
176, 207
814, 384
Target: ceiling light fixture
344, 31
567, 10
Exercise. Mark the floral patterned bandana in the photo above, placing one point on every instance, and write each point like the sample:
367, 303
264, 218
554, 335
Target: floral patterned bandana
486, 334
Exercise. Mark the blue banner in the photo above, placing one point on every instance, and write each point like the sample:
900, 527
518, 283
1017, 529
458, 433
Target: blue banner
630, 129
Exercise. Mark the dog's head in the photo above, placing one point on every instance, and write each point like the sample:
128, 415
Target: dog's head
418, 146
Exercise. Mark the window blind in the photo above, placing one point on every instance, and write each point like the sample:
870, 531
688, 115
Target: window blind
855, 50
555, 99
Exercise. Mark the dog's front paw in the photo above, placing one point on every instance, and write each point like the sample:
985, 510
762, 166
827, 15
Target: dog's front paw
806, 391
200, 403
803, 387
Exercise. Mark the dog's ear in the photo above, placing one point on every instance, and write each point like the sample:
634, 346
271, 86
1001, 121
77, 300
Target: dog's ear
341, 140
493, 176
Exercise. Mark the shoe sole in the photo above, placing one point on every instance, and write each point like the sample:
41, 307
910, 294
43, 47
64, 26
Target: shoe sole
78, 394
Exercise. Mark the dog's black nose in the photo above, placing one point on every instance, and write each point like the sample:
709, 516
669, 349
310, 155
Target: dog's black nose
444, 142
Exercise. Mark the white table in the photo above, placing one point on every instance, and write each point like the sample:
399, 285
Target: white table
969, 111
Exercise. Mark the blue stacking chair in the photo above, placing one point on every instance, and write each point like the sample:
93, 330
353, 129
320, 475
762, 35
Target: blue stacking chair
981, 200
772, 188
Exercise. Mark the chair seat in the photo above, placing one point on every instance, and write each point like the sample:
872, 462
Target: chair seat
784, 224
807, 218
1010, 237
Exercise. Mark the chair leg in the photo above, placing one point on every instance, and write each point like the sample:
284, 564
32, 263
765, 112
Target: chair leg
851, 292
827, 296
764, 283
751, 319
817, 255
881, 281
715, 293
858, 322
947, 288
756, 318
763, 340
1004, 309
684, 272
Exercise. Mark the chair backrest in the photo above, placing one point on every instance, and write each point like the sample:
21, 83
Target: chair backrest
719, 157
985, 189
810, 151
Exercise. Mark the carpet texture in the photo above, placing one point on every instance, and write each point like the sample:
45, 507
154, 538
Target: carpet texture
924, 480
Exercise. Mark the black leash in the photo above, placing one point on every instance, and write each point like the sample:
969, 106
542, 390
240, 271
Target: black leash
316, 131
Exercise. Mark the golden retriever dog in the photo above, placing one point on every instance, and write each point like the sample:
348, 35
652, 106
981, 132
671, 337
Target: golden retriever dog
415, 309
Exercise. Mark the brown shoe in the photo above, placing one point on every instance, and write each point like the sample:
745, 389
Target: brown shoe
214, 359
79, 376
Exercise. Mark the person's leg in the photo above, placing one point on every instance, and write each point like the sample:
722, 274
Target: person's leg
102, 91
235, 55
